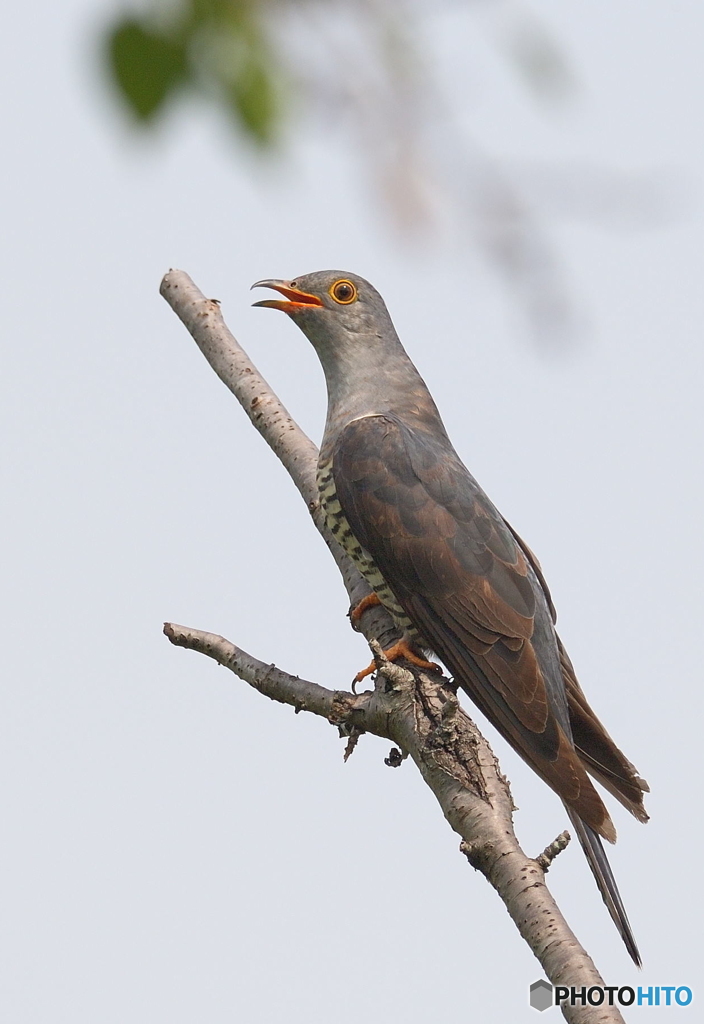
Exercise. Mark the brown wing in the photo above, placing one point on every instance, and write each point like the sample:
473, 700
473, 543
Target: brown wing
600, 755
467, 586
597, 751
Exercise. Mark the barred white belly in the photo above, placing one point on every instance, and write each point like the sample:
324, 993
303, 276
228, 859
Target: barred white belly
340, 529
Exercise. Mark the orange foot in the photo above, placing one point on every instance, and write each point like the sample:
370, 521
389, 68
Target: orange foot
399, 650
370, 601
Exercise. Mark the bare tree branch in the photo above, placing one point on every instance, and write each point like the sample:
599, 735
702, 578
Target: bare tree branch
417, 711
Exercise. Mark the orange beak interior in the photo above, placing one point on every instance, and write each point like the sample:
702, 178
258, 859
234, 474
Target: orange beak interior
296, 298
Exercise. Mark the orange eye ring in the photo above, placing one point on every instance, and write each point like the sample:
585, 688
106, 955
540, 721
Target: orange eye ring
343, 291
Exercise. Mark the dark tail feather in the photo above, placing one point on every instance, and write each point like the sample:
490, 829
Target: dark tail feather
601, 869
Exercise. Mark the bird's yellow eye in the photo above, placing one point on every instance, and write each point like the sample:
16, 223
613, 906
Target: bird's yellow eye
343, 292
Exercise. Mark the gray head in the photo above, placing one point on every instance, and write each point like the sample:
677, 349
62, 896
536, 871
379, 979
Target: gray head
332, 307
348, 324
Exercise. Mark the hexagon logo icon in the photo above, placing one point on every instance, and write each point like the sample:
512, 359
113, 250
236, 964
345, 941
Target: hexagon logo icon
541, 995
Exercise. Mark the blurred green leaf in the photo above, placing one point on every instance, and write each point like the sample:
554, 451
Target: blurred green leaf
252, 97
147, 65
203, 10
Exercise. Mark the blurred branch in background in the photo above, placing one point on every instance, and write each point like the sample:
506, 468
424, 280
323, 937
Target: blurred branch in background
365, 69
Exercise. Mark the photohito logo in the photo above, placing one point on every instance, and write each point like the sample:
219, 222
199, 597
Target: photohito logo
543, 994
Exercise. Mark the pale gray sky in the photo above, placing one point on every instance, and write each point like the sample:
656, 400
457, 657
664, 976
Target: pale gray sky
174, 847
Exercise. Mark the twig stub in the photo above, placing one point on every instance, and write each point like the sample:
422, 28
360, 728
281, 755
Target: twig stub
556, 847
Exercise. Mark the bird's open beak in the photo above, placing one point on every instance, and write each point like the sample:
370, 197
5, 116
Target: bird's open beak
297, 298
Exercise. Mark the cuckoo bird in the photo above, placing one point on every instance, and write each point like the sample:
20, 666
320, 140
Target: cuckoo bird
455, 576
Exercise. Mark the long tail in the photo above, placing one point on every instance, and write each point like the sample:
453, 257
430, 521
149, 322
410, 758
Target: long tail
601, 869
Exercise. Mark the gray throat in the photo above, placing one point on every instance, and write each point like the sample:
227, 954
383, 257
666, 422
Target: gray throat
374, 376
